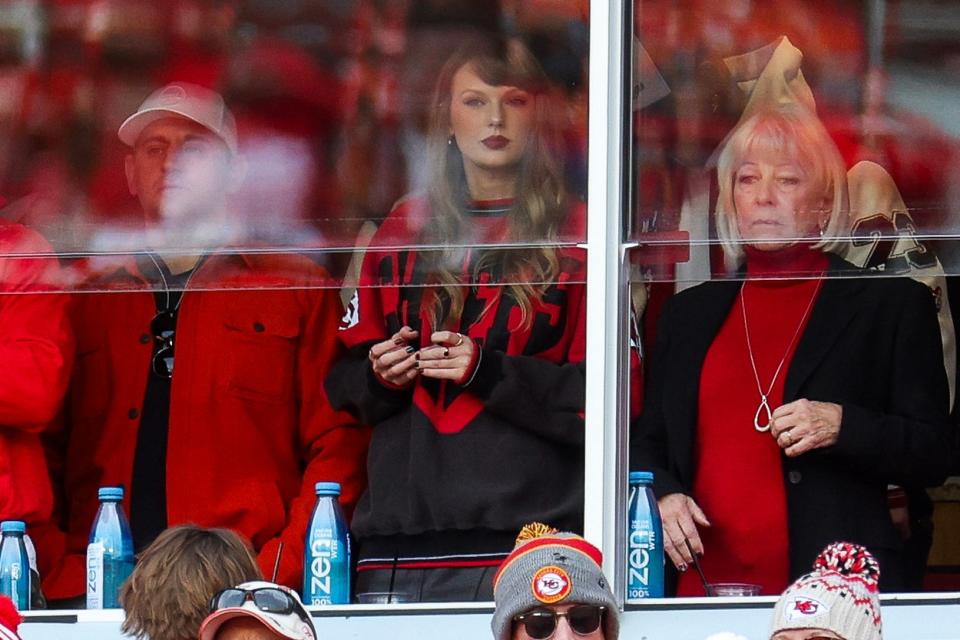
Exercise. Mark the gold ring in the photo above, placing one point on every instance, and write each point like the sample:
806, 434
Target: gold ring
460, 341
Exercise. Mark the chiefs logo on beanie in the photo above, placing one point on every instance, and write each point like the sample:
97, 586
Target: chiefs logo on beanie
839, 595
549, 567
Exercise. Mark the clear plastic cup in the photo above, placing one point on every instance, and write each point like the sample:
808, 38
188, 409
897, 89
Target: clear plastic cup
383, 597
733, 589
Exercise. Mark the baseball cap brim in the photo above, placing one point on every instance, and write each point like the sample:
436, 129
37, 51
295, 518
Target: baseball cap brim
215, 620
133, 126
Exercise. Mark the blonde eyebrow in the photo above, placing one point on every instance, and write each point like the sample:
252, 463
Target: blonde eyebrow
151, 140
205, 137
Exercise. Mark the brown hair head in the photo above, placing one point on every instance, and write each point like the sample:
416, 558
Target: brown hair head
168, 594
540, 198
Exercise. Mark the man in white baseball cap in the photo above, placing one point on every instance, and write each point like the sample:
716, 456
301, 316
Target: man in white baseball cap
201, 105
257, 611
183, 164
243, 435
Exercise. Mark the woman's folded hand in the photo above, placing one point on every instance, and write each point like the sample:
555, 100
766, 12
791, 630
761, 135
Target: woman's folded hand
680, 516
803, 425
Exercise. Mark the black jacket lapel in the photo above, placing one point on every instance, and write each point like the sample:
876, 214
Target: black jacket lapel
700, 325
832, 312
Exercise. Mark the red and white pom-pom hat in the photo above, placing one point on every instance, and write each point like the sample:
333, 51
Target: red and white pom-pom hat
9, 619
839, 595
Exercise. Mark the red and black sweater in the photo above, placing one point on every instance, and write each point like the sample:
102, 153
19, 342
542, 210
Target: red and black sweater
455, 471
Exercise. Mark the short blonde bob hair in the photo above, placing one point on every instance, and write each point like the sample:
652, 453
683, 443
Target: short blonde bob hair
168, 594
797, 133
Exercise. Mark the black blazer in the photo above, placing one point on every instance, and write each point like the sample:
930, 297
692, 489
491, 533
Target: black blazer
872, 345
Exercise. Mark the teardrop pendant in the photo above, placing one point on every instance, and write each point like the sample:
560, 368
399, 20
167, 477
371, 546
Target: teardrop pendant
764, 406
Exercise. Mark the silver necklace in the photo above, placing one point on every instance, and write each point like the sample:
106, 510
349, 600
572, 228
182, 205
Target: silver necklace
166, 286
764, 406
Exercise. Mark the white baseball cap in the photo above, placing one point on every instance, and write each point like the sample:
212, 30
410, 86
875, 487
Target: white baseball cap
201, 105
295, 624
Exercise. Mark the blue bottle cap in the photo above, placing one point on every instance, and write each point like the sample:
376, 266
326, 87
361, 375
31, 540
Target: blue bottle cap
641, 477
13, 526
110, 493
327, 488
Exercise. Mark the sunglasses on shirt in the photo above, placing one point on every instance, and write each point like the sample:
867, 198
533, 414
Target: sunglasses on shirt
163, 326
541, 624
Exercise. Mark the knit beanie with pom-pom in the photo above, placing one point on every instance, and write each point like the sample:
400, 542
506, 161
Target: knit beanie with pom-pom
839, 595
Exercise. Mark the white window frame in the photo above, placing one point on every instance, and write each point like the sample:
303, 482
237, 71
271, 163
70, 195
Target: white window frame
607, 361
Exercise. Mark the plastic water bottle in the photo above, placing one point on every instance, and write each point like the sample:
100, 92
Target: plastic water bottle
645, 540
37, 599
14, 564
110, 552
326, 557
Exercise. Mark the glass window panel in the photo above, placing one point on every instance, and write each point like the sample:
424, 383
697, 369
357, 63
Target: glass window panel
223, 182
332, 104
738, 108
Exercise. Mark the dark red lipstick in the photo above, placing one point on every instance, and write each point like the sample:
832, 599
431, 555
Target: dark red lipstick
496, 142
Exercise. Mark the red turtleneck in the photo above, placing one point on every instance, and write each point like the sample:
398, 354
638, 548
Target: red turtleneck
738, 479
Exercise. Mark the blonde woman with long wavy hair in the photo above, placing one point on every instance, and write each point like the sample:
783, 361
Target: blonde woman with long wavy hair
467, 341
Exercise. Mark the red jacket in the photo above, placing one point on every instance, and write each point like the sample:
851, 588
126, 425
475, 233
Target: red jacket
36, 351
250, 428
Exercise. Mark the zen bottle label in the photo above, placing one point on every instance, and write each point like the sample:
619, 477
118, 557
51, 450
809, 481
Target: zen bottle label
95, 575
643, 543
326, 575
325, 551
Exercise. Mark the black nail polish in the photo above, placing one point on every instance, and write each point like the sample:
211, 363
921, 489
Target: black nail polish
410, 349
417, 356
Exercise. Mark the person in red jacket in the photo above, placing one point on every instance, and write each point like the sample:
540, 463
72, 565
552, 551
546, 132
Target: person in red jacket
199, 390
36, 348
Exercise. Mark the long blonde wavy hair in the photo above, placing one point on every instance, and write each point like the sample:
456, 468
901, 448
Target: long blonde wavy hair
539, 203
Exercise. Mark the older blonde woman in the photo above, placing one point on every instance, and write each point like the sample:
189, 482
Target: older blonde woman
782, 402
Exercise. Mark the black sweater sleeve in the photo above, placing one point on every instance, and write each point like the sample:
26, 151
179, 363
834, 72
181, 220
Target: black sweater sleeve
352, 386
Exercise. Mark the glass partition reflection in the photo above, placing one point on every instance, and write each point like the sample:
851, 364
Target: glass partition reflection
234, 216
791, 163
331, 117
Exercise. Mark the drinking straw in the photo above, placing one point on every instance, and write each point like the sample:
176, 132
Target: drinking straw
276, 563
696, 564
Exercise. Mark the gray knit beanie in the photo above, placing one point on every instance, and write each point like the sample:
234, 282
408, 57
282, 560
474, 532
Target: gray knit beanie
549, 567
839, 595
